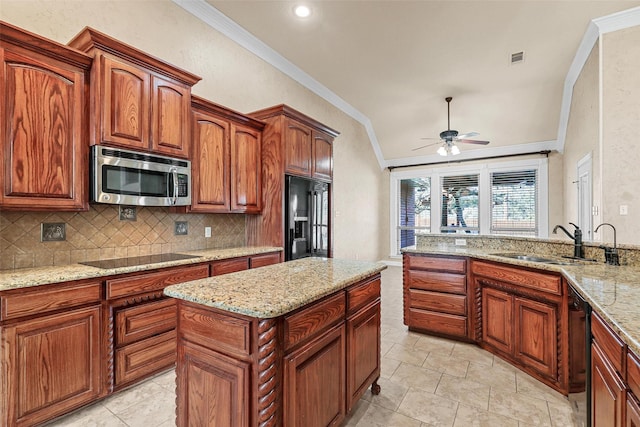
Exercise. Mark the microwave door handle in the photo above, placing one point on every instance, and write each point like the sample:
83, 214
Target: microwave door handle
174, 172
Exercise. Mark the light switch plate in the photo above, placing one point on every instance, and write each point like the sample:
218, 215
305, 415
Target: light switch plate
207, 232
624, 210
461, 242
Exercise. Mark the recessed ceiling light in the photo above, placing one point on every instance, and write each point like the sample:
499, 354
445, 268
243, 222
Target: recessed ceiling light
302, 11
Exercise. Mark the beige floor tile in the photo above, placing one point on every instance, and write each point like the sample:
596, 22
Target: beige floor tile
529, 386
434, 345
472, 353
416, 377
400, 336
468, 416
391, 394
523, 408
563, 416
495, 376
428, 408
377, 416
357, 413
464, 391
388, 367
407, 354
155, 410
137, 395
447, 364
166, 380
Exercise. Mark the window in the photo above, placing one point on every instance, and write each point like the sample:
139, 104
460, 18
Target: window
514, 203
414, 210
459, 204
497, 198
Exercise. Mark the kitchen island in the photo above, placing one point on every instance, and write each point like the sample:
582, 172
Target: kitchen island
293, 344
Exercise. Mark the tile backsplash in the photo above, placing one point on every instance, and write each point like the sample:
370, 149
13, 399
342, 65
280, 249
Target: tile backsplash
100, 234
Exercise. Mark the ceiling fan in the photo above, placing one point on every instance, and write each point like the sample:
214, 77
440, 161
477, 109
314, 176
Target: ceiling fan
449, 137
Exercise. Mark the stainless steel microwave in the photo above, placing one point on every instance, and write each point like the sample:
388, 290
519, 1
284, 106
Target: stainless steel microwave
124, 177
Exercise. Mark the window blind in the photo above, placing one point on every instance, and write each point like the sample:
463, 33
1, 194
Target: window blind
514, 203
459, 204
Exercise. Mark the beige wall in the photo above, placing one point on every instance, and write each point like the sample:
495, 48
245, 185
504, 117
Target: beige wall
237, 79
621, 131
610, 83
582, 138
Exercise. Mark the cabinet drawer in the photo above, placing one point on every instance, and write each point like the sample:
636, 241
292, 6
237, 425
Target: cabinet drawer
42, 299
443, 323
611, 345
145, 320
633, 373
518, 276
135, 284
362, 294
435, 301
455, 265
266, 259
145, 357
439, 282
313, 320
229, 266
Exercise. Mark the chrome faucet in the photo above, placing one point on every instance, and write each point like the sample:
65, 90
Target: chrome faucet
610, 254
578, 249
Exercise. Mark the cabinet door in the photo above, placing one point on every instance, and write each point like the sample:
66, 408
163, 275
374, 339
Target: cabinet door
51, 365
577, 351
322, 156
314, 382
170, 108
536, 340
363, 351
297, 148
125, 104
210, 164
44, 159
633, 411
497, 319
246, 169
607, 391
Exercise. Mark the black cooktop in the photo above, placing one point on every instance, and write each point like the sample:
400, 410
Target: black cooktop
137, 260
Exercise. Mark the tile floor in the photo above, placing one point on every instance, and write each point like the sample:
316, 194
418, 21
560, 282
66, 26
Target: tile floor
425, 382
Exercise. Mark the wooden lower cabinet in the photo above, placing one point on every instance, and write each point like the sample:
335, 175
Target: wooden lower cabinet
304, 368
51, 365
314, 382
536, 343
608, 391
633, 411
497, 320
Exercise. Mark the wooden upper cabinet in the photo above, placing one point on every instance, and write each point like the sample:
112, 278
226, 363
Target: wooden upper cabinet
43, 121
210, 164
226, 164
322, 162
298, 148
138, 101
246, 171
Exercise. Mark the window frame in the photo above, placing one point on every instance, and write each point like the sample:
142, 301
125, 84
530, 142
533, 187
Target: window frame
484, 194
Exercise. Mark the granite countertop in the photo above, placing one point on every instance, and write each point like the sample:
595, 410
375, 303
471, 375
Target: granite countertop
612, 291
275, 290
26, 277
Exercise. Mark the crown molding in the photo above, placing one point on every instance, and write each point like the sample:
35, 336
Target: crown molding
597, 27
221, 23
508, 150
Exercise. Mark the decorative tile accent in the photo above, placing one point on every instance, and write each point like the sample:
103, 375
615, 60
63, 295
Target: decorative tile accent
181, 228
53, 232
127, 213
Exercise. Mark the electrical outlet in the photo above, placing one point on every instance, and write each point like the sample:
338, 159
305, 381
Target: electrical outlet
461, 242
624, 210
207, 232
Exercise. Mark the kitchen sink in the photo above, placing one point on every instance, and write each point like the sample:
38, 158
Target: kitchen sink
532, 258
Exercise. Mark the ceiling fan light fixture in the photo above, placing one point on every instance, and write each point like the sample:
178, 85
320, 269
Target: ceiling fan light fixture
442, 151
455, 150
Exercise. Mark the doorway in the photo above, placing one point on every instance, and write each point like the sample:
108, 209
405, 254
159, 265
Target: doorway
585, 201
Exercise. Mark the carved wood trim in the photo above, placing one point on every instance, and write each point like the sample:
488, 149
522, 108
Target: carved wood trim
517, 291
269, 375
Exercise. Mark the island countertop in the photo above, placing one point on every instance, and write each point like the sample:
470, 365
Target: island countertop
272, 291
612, 291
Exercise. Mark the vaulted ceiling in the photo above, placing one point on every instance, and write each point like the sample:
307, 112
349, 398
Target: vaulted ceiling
394, 62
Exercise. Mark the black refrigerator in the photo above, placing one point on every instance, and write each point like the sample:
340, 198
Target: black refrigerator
307, 218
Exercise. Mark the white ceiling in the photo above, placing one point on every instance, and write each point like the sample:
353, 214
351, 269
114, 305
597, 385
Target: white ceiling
395, 62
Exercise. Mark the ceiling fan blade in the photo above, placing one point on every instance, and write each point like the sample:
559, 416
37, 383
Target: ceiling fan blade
431, 138
472, 141
467, 135
424, 146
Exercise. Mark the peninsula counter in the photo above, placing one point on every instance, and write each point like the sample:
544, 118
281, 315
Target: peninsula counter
292, 344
